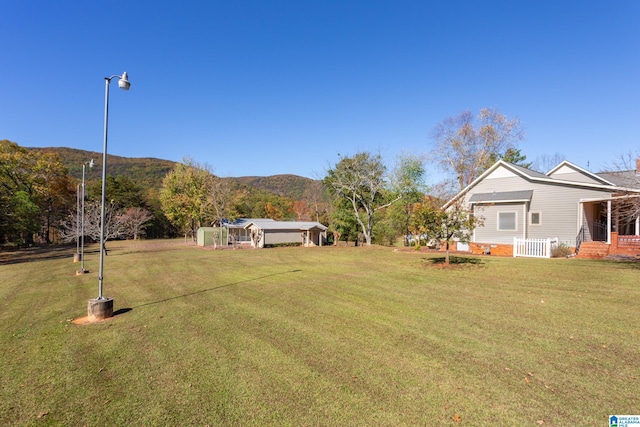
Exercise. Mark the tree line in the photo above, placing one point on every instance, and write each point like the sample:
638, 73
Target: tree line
362, 199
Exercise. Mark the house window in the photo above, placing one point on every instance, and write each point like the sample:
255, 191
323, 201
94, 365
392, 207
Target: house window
507, 221
536, 218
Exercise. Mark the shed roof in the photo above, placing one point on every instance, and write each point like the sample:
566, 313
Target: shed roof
242, 222
285, 225
503, 196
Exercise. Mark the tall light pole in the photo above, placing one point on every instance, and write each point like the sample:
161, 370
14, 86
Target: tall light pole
101, 308
76, 256
82, 270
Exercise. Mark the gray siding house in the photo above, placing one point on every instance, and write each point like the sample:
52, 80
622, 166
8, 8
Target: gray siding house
567, 203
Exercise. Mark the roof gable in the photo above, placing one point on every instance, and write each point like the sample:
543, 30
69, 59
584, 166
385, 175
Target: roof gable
502, 169
567, 171
500, 172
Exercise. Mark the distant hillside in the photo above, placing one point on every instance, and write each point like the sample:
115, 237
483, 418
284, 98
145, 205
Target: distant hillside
290, 186
148, 172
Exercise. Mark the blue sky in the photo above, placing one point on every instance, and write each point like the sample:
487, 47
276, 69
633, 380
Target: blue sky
271, 87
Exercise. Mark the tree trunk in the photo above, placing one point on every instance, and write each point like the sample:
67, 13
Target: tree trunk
446, 258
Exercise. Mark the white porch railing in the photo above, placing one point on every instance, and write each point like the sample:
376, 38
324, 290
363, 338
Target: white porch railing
535, 248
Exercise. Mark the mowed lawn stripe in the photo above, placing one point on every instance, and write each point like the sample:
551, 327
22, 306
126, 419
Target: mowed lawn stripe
318, 336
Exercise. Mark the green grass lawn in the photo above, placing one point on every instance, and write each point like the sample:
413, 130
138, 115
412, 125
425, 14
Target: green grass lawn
317, 336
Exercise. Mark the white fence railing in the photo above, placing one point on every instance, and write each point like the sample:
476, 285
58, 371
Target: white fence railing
536, 248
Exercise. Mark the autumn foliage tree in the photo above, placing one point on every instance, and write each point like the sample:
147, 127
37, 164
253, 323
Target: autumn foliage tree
419, 217
184, 196
35, 193
453, 223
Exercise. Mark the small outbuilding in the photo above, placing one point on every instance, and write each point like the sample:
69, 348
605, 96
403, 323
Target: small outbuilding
270, 232
237, 233
207, 236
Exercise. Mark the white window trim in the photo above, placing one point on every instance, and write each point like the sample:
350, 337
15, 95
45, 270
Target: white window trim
507, 212
539, 219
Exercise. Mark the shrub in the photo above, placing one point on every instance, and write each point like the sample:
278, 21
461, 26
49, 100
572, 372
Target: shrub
561, 250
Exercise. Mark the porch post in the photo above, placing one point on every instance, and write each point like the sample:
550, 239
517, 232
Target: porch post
524, 220
608, 222
580, 218
638, 225
473, 212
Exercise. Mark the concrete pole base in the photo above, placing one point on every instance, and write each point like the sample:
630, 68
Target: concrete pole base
99, 309
77, 257
81, 271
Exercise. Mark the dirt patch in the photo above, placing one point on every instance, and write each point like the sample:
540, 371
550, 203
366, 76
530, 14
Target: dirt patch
86, 321
421, 250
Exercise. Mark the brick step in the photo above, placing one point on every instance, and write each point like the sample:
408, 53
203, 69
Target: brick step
593, 250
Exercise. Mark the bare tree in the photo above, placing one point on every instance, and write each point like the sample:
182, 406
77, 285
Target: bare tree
301, 210
220, 197
625, 173
466, 145
546, 162
113, 226
627, 168
315, 201
134, 220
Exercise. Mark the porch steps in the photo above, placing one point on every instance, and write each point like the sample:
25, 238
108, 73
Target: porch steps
593, 250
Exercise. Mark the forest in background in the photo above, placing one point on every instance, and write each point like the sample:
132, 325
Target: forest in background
148, 172
41, 193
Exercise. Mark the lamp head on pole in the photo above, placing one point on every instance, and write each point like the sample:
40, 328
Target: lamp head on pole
123, 82
92, 163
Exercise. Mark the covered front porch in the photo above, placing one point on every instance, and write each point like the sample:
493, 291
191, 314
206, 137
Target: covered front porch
613, 222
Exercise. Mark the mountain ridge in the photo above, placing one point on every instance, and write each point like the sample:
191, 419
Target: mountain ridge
148, 172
